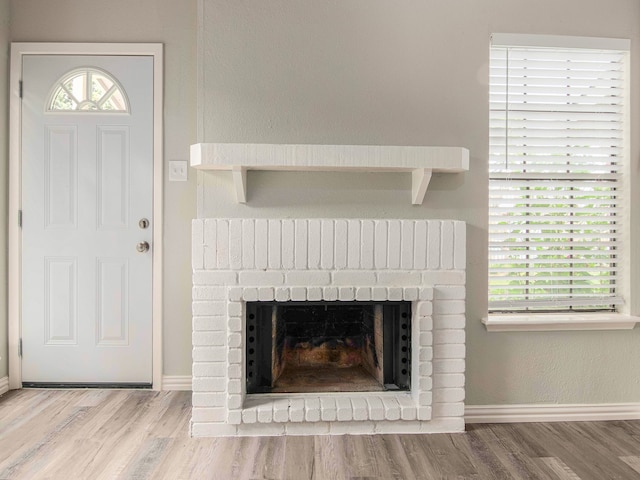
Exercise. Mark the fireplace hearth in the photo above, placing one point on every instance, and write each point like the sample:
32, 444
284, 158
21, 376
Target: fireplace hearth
304, 347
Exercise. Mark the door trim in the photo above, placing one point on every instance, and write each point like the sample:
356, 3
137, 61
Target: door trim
18, 52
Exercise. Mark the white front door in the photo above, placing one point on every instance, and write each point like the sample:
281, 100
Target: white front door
87, 186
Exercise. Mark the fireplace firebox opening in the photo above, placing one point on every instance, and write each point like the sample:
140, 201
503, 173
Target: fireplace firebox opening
301, 347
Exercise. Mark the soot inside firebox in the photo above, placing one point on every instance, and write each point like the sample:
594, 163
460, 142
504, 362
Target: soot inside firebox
327, 346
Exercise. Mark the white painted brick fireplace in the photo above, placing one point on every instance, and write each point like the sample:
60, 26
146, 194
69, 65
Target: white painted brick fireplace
240, 260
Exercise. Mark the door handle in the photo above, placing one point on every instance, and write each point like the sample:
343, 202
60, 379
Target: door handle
142, 247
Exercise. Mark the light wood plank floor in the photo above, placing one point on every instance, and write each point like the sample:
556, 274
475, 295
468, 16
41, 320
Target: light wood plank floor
134, 434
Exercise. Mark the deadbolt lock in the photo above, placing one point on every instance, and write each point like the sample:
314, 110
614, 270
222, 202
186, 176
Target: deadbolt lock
143, 223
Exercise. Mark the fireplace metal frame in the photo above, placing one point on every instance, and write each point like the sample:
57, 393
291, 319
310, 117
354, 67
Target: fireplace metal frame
396, 346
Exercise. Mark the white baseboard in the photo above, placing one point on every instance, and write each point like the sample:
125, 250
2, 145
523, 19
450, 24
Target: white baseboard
485, 413
551, 413
176, 382
4, 385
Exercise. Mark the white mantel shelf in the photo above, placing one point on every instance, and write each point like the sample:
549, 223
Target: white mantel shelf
241, 157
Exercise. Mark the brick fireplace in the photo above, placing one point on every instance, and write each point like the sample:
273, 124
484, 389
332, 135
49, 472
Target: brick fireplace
240, 262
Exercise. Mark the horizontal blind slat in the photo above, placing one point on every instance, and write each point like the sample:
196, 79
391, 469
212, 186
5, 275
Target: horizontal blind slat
520, 53
529, 238
520, 76
605, 178
555, 98
598, 259
589, 185
558, 250
522, 136
498, 270
560, 121
542, 117
563, 108
583, 135
556, 302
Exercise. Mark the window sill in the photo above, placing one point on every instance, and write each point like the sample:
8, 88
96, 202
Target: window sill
558, 321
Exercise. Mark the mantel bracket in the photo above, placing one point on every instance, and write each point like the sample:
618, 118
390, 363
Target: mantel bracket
420, 178
240, 182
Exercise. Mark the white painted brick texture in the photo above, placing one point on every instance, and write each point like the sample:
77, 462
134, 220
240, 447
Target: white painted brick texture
258, 244
240, 260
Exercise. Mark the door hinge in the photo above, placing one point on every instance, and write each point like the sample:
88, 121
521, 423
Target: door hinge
20, 88
20, 347
20, 218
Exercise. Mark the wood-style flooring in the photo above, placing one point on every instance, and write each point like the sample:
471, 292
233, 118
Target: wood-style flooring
135, 434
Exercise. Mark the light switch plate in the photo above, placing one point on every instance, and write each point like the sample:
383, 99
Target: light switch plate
178, 171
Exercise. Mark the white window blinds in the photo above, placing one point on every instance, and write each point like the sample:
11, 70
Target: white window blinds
556, 147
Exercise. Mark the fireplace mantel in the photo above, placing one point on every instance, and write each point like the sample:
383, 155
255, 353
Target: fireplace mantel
241, 157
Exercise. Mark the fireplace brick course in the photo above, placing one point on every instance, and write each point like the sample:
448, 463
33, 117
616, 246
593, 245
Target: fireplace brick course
240, 260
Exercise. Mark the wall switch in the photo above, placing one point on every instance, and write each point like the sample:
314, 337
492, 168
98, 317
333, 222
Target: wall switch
178, 171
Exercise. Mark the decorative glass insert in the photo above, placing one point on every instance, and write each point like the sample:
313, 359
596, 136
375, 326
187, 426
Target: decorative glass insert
88, 89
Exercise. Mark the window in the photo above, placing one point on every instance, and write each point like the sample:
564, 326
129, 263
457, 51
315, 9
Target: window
88, 90
557, 154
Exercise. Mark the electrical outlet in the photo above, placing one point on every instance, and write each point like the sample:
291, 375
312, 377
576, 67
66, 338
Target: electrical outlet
178, 171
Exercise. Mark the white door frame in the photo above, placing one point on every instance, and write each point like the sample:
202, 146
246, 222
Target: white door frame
18, 52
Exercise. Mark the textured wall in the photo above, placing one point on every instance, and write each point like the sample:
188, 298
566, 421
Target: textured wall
371, 72
4, 172
403, 73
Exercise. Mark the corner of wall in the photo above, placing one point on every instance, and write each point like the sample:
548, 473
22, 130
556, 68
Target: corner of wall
5, 37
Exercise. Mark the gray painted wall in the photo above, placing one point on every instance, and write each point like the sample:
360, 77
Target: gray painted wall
403, 73
4, 173
173, 23
357, 71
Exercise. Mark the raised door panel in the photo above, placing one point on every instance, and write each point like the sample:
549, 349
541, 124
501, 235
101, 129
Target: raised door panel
112, 324
61, 176
61, 301
113, 176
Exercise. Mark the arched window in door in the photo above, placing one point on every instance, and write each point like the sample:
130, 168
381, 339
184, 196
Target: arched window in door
88, 89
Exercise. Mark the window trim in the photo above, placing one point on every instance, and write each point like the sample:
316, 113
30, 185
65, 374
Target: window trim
567, 321
559, 41
546, 322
